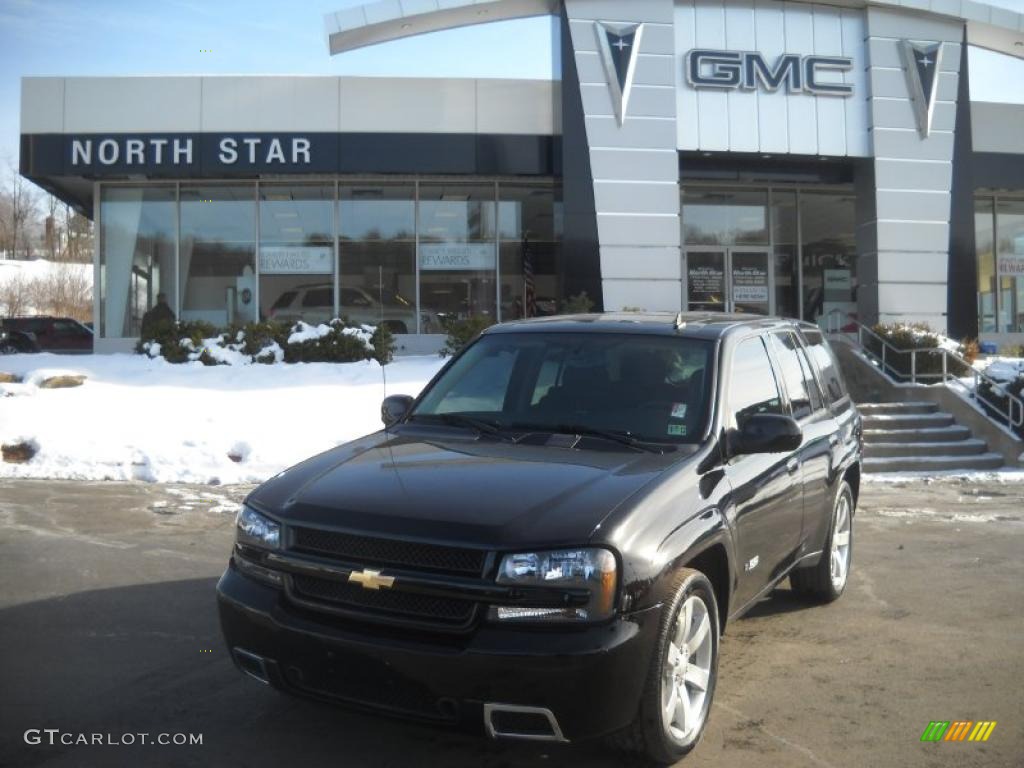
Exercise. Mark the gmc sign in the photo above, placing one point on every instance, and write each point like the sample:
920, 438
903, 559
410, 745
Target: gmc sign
748, 70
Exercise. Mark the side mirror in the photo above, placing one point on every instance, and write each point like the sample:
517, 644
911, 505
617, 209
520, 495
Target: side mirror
394, 409
766, 433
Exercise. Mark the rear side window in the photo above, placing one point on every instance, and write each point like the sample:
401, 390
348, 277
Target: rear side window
752, 385
284, 300
825, 361
796, 374
319, 297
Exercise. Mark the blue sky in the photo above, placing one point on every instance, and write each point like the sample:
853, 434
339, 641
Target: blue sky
123, 37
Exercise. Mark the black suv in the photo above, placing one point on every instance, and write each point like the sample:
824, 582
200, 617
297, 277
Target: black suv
549, 541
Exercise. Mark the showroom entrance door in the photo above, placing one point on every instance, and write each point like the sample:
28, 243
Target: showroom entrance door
733, 279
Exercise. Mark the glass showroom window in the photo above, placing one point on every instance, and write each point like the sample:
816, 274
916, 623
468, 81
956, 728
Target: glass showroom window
457, 250
138, 229
984, 238
297, 252
725, 216
529, 250
784, 241
377, 256
829, 255
218, 254
1010, 263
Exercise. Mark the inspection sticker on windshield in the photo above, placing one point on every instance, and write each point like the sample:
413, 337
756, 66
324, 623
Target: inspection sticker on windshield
678, 411
677, 429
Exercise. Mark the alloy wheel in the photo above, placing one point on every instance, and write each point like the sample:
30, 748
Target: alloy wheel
840, 555
687, 671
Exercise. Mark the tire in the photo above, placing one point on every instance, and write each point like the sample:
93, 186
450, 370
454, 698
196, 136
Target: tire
661, 737
395, 326
827, 580
8, 349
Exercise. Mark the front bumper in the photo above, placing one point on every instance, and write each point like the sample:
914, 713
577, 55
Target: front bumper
590, 678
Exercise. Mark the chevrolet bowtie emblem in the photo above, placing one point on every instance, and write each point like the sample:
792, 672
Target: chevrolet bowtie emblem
368, 579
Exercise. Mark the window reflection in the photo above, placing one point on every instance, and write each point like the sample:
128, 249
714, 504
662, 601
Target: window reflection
528, 249
829, 255
377, 257
1010, 264
984, 237
138, 237
218, 254
725, 217
297, 252
457, 249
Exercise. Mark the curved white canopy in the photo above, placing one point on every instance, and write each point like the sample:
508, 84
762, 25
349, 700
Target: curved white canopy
988, 24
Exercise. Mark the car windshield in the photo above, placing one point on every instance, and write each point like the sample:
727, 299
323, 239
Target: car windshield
650, 388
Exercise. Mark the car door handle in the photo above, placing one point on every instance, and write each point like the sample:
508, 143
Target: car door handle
792, 465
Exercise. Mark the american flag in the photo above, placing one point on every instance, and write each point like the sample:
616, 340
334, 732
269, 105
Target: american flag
529, 289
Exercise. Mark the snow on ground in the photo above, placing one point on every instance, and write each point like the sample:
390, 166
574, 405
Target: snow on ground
1006, 475
146, 419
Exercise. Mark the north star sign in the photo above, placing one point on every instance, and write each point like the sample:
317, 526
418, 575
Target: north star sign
749, 70
157, 151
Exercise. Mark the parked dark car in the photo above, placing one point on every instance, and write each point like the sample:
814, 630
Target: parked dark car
53, 334
550, 539
13, 342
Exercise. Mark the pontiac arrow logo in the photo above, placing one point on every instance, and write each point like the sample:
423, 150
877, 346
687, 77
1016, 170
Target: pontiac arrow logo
922, 62
618, 44
368, 579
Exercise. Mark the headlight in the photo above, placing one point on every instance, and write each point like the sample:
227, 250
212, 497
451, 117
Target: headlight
256, 530
592, 571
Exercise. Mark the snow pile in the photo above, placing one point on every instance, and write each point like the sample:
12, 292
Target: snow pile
306, 332
141, 418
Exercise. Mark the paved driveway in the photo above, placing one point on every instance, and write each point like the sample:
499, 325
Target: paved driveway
108, 625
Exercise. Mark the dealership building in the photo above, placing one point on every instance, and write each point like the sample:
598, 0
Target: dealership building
828, 160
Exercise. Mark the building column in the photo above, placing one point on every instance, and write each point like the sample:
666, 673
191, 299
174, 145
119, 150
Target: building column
905, 258
634, 166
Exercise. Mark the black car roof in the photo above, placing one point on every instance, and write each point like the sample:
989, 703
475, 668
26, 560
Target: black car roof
707, 325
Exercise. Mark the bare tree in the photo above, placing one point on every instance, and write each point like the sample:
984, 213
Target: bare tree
64, 290
78, 234
19, 207
16, 296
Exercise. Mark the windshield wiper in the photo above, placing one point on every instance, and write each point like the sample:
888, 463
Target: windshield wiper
462, 420
622, 438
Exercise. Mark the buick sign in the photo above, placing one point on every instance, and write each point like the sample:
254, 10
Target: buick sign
748, 71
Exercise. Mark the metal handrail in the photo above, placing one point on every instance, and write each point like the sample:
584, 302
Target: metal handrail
1014, 405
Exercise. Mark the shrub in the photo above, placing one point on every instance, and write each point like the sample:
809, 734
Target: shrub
462, 331
969, 350
176, 341
268, 342
908, 337
580, 304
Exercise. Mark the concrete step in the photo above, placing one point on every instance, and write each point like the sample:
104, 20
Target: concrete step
928, 435
956, 448
933, 463
908, 421
893, 409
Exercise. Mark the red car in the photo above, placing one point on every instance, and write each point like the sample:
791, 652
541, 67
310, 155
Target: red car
53, 334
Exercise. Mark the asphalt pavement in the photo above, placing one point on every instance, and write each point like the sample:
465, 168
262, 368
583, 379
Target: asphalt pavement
108, 626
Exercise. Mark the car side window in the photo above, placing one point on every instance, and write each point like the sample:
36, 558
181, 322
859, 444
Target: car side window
788, 354
318, 297
817, 399
752, 386
826, 364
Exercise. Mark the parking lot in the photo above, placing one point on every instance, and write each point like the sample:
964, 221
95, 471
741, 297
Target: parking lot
108, 625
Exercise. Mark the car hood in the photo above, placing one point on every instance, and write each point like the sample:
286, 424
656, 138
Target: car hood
448, 486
